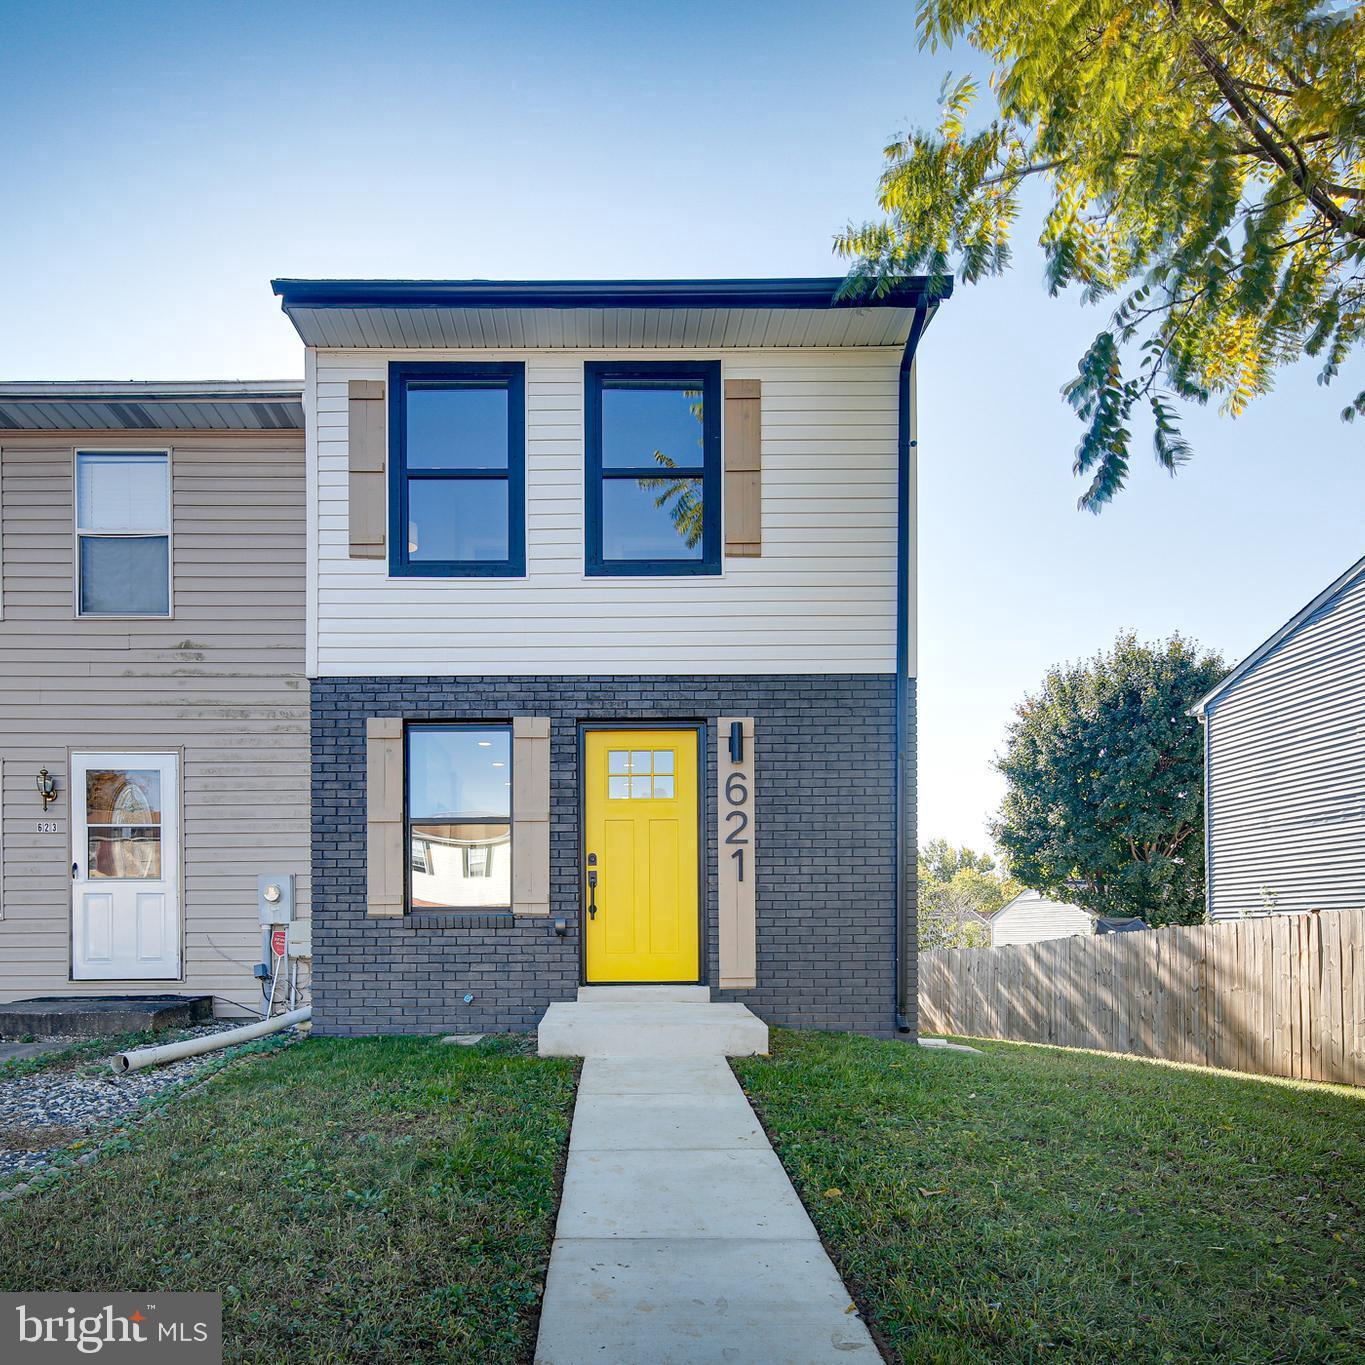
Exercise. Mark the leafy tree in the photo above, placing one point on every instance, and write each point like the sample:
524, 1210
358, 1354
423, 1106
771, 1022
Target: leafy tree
943, 861
1104, 806
1205, 162
958, 891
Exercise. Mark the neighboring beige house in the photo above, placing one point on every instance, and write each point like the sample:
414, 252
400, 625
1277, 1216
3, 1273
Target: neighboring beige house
1031, 918
152, 571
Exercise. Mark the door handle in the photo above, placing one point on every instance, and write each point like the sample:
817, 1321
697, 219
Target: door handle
592, 894
75, 871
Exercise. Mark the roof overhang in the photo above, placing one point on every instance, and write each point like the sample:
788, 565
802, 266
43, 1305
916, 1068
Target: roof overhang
1200, 708
558, 314
274, 405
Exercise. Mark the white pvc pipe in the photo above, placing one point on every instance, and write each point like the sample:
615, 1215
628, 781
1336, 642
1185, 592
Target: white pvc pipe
211, 1042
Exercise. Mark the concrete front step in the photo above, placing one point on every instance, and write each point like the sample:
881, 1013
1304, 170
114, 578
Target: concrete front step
635, 995
100, 1016
656, 1028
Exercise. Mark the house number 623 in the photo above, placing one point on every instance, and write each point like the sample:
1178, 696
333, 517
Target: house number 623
736, 820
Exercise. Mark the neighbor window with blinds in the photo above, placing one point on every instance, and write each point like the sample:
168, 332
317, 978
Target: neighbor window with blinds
123, 522
457, 440
653, 469
459, 817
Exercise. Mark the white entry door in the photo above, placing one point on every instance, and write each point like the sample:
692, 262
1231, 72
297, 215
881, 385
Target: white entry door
125, 870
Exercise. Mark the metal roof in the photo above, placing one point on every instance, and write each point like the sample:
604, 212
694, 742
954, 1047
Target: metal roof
143, 405
1285, 631
548, 314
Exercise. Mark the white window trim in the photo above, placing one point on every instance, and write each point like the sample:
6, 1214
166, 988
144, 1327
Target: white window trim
94, 448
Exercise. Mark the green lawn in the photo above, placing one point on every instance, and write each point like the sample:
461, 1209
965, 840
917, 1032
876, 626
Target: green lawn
353, 1200
1038, 1204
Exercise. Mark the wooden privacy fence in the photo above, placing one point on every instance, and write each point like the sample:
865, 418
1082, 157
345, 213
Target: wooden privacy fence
1283, 995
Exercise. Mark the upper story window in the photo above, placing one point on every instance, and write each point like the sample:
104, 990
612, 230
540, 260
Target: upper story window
653, 467
123, 542
457, 437
459, 812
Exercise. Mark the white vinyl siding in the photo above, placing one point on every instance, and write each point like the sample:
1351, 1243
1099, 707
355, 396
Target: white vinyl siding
1286, 772
821, 599
1029, 918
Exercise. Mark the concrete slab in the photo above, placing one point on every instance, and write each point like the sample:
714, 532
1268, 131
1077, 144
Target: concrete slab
718, 1122
650, 1029
626, 995
656, 1193
619, 1301
697, 1076
949, 1047
100, 1016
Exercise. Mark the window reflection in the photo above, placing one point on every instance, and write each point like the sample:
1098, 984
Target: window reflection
459, 789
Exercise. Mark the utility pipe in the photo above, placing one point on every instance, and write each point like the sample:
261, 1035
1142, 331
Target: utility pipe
192, 1047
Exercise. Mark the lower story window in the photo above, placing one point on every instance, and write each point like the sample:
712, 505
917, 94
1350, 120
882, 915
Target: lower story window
459, 812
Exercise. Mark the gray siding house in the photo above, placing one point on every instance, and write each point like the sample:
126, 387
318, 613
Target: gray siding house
1284, 738
612, 644
152, 611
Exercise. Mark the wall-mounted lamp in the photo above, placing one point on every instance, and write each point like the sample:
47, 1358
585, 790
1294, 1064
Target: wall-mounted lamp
736, 741
47, 787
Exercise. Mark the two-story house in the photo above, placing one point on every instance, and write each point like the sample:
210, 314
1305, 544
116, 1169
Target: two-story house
611, 633
154, 718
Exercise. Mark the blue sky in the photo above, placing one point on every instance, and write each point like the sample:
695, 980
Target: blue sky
163, 162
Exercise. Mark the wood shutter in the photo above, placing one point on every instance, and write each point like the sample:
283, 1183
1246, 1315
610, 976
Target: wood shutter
366, 443
743, 467
384, 855
531, 815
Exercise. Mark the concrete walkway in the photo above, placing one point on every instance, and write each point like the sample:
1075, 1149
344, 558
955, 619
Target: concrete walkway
680, 1238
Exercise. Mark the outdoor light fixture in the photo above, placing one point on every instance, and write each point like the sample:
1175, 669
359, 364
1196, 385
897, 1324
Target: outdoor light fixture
736, 741
47, 787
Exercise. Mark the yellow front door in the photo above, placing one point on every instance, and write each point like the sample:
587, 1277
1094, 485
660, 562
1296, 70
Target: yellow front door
640, 822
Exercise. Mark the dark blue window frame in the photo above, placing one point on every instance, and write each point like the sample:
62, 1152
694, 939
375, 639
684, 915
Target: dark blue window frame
704, 375
510, 376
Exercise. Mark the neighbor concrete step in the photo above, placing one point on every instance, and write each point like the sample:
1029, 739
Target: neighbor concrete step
659, 1028
639, 995
100, 1016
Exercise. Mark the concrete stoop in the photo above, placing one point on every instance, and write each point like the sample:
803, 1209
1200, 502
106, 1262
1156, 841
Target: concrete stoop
101, 1016
650, 1021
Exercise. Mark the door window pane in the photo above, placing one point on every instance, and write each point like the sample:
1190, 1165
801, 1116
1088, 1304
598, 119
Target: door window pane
124, 851
125, 575
652, 519
644, 426
123, 796
663, 761
121, 492
457, 519
456, 428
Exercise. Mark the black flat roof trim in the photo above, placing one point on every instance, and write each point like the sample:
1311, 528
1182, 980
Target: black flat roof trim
810, 292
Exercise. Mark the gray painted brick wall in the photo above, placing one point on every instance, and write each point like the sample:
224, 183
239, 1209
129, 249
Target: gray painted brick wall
825, 753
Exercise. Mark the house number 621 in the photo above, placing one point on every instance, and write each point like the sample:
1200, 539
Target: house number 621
736, 820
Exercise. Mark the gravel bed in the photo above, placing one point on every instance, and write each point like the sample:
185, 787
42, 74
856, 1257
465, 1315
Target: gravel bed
49, 1110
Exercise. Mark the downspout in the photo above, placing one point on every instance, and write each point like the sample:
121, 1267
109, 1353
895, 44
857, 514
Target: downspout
904, 890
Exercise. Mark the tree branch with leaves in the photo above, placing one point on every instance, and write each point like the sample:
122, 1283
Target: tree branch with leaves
1205, 163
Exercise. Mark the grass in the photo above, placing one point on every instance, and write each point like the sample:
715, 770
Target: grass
352, 1200
87, 1052
1037, 1204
